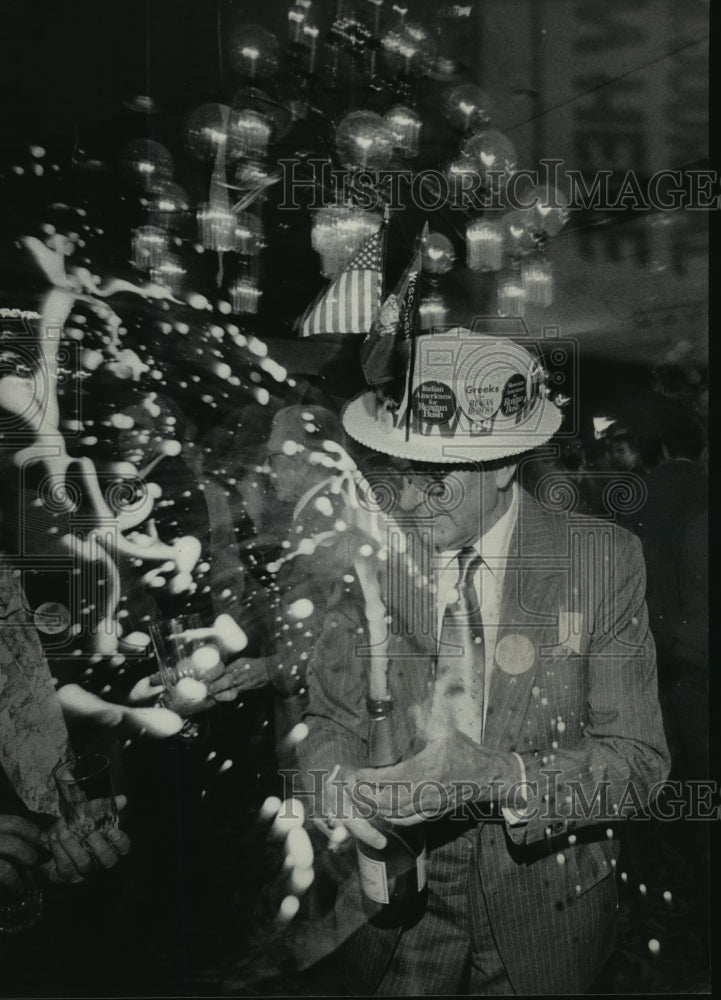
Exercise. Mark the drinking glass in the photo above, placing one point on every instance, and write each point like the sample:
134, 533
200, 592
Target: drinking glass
176, 641
87, 798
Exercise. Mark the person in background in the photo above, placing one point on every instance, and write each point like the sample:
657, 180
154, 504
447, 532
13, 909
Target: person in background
630, 450
677, 491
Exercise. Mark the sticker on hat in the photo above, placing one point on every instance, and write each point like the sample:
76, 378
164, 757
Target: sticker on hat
515, 654
484, 399
434, 403
514, 395
493, 381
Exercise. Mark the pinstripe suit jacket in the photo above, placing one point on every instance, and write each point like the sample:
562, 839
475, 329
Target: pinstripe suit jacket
575, 695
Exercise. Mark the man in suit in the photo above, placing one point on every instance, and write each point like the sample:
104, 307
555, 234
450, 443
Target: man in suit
525, 733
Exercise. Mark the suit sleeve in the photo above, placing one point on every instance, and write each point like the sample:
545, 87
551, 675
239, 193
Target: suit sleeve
337, 689
622, 753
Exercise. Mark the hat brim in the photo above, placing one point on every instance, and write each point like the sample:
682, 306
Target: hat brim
359, 420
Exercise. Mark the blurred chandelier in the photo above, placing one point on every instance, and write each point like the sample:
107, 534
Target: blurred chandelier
362, 81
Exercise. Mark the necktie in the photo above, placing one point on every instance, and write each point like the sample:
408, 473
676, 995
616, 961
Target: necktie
460, 670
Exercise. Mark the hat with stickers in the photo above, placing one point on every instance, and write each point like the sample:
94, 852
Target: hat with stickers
467, 396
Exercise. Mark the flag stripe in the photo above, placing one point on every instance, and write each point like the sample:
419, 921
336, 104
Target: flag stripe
352, 301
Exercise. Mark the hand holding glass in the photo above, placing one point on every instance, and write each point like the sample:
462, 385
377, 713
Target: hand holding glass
87, 837
87, 799
187, 663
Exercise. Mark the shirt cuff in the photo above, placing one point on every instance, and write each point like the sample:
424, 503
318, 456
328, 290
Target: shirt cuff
519, 813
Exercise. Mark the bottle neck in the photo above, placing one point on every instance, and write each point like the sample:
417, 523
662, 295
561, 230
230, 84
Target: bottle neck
378, 708
382, 746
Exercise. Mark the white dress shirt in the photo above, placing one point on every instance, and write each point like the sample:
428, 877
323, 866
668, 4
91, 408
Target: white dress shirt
493, 550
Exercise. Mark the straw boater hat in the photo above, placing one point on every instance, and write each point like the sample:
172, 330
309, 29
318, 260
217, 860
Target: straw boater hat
468, 397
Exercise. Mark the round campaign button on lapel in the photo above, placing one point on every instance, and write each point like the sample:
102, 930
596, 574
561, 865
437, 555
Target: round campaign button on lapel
515, 654
51, 618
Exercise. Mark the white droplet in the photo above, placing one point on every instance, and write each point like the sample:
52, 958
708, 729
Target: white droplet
654, 947
91, 359
642, 889
324, 506
205, 659
139, 639
288, 909
298, 733
291, 814
302, 608
561, 859
301, 880
171, 448
230, 634
269, 808
190, 691
299, 848
122, 421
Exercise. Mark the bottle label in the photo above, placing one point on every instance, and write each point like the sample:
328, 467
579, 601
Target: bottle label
421, 869
374, 879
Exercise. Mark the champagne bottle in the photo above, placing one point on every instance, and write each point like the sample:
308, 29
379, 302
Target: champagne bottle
394, 878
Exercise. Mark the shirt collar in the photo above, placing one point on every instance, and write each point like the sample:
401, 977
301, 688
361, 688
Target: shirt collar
494, 545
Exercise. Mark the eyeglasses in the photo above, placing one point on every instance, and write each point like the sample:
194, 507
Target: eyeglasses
430, 475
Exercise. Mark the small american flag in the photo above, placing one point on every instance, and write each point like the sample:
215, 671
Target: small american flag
381, 352
352, 302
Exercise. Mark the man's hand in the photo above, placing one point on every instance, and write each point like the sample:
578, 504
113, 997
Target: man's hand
449, 770
19, 840
342, 815
287, 824
73, 859
241, 675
